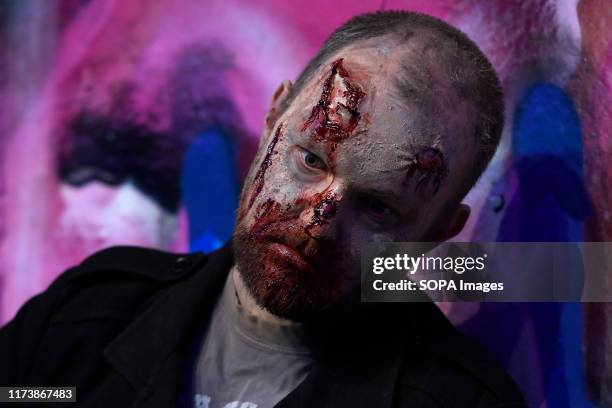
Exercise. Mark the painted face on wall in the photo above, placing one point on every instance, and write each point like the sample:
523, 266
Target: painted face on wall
349, 161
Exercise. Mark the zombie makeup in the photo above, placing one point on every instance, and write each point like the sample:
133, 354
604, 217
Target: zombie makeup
336, 115
332, 120
285, 256
325, 207
335, 171
259, 179
429, 168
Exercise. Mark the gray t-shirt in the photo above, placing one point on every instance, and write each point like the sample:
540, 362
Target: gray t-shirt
245, 361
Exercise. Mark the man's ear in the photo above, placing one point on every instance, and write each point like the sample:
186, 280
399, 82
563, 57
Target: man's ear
279, 97
456, 223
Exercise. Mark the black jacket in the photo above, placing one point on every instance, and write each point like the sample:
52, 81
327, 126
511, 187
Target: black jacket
123, 325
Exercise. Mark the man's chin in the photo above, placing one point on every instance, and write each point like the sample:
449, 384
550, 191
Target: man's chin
282, 280
283, 291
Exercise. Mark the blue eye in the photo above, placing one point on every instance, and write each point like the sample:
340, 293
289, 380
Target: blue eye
312, 160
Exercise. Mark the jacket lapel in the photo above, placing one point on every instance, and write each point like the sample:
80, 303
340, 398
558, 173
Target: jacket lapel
151, 352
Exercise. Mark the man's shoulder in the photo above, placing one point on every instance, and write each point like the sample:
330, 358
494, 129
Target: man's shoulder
116, 281
125, 262
111, 284
454, 371
85, 307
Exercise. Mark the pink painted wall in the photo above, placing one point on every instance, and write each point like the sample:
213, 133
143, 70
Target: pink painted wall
179, 66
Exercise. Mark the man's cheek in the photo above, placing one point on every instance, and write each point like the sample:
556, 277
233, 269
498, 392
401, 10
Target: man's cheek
278, 201
267, 179
259, 179
280, 186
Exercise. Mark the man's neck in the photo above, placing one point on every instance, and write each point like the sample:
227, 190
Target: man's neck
248, 303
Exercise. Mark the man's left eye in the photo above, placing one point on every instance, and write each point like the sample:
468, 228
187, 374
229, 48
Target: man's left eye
312, 160
378, 208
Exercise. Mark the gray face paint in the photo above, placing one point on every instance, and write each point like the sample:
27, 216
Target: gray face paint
333, 173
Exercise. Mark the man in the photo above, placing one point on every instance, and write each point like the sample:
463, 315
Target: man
380, 138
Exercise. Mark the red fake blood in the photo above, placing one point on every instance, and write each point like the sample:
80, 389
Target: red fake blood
323, 212
258, 181
267, 210
431, 168
353, 96
329, 122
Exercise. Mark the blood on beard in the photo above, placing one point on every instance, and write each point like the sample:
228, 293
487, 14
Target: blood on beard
287, 271
291, 268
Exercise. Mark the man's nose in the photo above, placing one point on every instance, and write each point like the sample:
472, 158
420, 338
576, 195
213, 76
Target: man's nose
323, 214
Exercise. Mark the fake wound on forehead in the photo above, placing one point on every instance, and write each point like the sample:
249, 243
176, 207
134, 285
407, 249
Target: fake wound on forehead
336, 114
426, 169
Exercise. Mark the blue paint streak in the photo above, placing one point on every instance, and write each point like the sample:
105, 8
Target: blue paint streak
210, 189
548, 157
549, 206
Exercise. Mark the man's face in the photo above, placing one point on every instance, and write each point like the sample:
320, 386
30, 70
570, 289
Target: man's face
348, 162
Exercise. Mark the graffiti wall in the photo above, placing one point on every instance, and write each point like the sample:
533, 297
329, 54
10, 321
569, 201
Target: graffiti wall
134, 122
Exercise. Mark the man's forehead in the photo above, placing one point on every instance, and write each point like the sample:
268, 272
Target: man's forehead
396, 136
388, 122
397, 86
